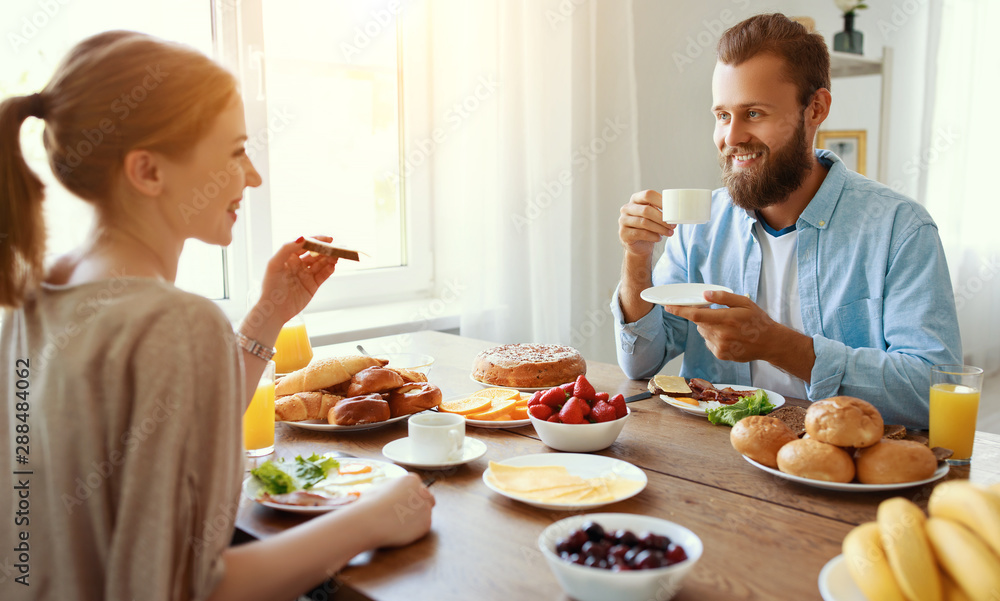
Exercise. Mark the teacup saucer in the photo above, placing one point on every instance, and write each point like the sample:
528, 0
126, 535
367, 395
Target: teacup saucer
399, 451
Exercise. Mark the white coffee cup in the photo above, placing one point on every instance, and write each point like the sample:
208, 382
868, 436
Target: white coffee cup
436, 437
687, 206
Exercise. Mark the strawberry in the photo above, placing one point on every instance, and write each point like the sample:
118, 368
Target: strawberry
584, 389
573, 411
541, 411
618, 402
568, 387
535, 398
584, 405
554, 418
602, 396
553, 397
603, 412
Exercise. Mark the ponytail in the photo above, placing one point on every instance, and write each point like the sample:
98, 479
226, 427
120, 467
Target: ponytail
22, 230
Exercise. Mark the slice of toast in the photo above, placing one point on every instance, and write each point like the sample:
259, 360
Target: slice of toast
323, 248
669, 385
793, 416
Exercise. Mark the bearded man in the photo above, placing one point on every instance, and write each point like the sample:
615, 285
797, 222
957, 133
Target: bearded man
840, 285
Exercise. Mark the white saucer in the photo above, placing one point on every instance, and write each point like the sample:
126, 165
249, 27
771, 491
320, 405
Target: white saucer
399, 451
681, 295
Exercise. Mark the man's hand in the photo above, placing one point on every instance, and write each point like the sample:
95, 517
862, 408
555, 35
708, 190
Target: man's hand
640, 226
744, 332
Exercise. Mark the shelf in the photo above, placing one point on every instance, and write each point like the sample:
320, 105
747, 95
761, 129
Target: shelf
845, 64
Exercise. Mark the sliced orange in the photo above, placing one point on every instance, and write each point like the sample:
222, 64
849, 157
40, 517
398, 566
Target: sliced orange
497, 394
498, 409
519, 412
523, 402
467, 405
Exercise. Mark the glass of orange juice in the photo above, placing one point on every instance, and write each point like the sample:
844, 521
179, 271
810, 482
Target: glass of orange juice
954, 405
258, 421
292, 349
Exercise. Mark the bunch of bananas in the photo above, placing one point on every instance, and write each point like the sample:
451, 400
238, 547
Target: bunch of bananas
952, 555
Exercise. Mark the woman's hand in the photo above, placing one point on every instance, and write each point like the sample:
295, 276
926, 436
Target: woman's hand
290, 281
400, 510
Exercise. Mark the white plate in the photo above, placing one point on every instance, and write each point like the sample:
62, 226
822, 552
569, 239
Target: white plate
680, 295
252, 488
399, 451
321, 426
836, 584
578, 464
850, 486
485, 385
772, 397
490, 423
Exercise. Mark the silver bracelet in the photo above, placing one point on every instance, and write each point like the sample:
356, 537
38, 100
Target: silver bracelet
253, 347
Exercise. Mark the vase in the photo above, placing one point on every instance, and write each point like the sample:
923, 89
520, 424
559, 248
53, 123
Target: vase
849, 40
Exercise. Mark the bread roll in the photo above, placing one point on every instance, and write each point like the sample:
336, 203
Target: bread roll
304, 405
324, 373
892, 461
409, 376
373, 380
759, 437
810, 458
845, 422
413, 398
367, 409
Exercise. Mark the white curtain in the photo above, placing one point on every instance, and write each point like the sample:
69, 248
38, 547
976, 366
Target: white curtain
535, 102
961, 190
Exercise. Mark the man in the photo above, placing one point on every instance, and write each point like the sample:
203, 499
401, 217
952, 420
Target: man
840, 285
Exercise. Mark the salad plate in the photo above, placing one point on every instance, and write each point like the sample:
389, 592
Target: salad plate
850, 486
772, 397
578, 464
680, 295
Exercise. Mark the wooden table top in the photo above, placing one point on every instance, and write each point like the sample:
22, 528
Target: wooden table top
765, 537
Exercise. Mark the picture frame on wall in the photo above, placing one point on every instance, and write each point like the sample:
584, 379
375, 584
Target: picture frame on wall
848, 144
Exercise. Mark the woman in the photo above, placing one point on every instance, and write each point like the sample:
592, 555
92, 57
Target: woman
126, 392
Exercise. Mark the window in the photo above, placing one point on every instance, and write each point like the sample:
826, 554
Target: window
322, 88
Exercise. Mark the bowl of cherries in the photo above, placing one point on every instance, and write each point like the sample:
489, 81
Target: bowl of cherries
619, 556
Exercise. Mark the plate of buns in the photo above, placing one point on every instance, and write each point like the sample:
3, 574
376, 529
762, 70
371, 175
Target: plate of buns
351, 393
844, 446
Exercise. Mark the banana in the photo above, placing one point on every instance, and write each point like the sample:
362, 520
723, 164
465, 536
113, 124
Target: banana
965, 503
966, 558
952, 592
901, 528
868, 566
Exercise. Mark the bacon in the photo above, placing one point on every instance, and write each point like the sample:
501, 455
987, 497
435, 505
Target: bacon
699, 387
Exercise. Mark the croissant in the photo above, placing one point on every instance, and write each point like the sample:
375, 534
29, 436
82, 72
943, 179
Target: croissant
304, 405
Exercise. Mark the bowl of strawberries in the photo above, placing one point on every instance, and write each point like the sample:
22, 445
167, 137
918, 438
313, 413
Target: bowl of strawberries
576, 418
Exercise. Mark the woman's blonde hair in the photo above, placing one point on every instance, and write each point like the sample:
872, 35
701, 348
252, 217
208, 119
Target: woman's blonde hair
115, 92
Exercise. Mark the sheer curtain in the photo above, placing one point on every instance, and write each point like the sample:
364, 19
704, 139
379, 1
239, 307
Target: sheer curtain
960, 189
534, 103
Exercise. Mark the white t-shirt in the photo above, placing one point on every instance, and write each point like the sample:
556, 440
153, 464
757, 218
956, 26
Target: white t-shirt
778, 295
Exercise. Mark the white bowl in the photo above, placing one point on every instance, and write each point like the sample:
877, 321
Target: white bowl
579, 438
417, 362
595, 584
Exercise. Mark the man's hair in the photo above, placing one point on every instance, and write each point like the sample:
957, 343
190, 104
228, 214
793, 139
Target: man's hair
807, 60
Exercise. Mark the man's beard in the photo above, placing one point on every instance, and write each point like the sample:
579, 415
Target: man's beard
772, 181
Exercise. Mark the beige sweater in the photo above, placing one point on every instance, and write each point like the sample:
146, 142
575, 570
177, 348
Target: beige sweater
134, 449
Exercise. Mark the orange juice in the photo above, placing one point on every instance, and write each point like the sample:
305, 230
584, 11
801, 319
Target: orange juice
953, 418
258, 421
292, 349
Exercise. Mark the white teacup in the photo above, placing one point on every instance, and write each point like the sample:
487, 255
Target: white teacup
687, 206
436, 437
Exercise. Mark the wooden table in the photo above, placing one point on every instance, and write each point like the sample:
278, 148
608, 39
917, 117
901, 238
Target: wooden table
764, 537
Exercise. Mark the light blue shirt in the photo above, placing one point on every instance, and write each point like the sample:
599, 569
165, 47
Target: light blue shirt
875, 293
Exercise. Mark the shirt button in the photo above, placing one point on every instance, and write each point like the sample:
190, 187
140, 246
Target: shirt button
822, 223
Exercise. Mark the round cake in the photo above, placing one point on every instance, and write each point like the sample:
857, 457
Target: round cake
528, 365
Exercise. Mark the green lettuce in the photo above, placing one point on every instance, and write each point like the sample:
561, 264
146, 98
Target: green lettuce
755, 404
313, 469
273, 479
